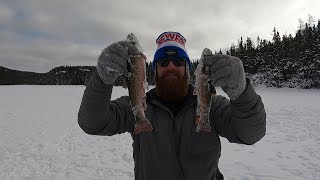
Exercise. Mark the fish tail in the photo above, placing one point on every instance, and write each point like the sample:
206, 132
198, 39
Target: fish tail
142, 124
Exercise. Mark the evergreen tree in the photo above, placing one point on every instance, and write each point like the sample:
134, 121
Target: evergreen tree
233, 50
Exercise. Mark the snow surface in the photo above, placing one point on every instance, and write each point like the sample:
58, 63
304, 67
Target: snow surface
40, 138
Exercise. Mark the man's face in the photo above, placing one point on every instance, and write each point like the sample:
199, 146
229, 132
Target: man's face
171, 81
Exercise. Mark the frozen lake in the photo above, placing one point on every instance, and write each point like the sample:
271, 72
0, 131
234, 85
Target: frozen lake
40, 138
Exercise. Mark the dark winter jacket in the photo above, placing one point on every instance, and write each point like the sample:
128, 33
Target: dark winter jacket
174, 150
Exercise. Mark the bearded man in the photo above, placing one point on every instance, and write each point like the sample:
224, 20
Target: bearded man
174, 150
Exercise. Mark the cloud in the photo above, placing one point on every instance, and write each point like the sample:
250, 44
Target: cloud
6, 14
39, 35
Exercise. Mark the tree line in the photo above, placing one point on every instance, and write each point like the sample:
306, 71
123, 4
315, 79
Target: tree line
285, 61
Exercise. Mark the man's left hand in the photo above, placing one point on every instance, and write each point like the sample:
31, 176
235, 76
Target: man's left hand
225, 71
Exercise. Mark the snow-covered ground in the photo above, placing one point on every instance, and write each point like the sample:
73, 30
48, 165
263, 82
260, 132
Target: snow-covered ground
40, 138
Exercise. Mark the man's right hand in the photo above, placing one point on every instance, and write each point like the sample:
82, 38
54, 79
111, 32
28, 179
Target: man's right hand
114, 59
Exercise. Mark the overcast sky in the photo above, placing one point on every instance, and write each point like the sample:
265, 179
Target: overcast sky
37, 35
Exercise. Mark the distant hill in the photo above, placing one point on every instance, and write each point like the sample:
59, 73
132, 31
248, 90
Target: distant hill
14, 77
62, 75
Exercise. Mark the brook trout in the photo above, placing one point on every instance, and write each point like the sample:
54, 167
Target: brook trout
137, 85
204, 92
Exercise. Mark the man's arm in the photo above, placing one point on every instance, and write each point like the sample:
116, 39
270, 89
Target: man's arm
242, 120
97, 114
100, 116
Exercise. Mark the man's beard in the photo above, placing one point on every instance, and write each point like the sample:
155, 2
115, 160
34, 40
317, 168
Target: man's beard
171, 89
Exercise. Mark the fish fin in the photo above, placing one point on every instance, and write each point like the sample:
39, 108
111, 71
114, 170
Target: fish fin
195, 91
202, 126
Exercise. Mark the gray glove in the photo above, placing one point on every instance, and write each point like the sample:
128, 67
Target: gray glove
114, 59
226, 71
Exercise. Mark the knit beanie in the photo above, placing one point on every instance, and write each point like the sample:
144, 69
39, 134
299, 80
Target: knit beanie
170, 45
